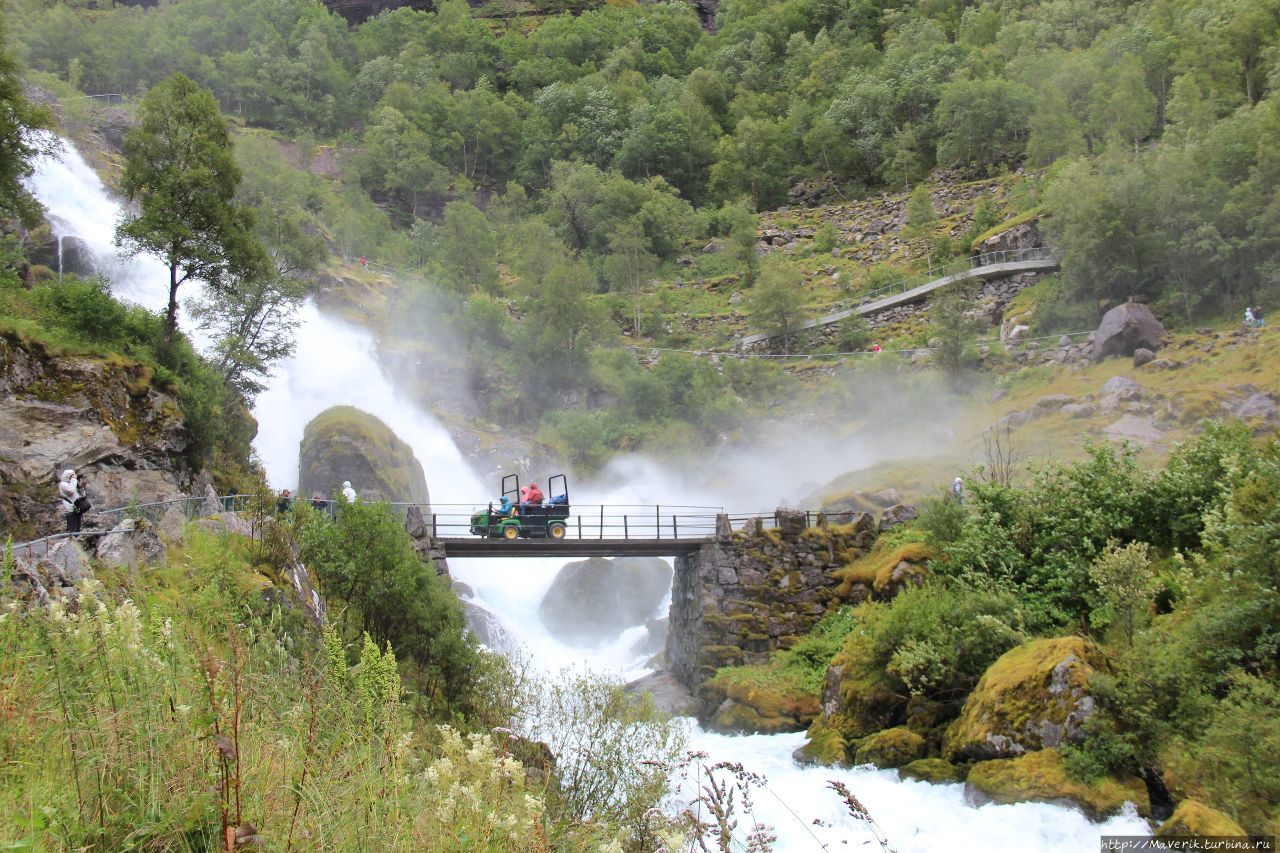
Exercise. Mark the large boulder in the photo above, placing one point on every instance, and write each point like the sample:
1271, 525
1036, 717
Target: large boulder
1126, 328
1040, 777
1035, 696
594, 600
344, 443
891, 748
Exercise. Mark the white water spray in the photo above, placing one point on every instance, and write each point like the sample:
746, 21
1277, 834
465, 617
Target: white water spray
336, 364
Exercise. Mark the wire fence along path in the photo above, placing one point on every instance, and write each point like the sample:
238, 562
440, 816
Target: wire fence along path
605, 524
987, 265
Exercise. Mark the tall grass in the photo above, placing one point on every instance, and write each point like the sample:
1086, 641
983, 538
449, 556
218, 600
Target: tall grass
127, 727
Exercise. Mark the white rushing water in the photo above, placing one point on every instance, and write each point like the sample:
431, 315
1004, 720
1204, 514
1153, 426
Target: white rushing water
336, 363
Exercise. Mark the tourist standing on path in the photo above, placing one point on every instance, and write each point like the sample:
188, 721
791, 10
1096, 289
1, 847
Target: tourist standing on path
1249, 321
348, 492
957, 490
1258, 319
74, 503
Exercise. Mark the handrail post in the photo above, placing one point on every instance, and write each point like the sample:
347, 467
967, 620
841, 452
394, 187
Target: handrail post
601, 521
657, 520
434, 533
626, 531
675, 531
579, 525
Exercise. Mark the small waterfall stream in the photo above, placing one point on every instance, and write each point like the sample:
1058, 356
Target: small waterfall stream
336, 363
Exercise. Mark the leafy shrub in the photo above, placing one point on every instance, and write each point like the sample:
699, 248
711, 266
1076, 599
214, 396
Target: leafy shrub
370, 573
1041, 540
937, 640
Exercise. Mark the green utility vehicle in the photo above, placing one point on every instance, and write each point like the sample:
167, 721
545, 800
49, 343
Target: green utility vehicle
545, 519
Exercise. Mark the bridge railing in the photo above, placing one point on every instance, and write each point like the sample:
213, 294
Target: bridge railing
593, 521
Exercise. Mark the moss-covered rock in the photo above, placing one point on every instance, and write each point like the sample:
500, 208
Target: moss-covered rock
891, 748
826, 747
759, 699
935, 771
344, 443
1034, 696
1039, 776
733, 717
883, 573
1193, 817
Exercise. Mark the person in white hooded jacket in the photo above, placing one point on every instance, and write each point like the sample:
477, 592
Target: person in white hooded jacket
69, 491
348, 492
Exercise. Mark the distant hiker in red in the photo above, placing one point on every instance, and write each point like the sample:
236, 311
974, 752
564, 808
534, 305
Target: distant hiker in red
364, 262
875, 349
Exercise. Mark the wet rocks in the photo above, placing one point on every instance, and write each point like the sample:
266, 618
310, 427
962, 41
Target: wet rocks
667, 694
1040, 777
594, 600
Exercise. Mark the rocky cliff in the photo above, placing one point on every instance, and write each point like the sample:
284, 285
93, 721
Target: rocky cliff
102, 416
345, 443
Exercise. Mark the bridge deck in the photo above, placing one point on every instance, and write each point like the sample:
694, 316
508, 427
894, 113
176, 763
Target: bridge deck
457, 546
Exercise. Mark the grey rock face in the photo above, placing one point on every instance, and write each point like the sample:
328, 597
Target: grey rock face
1260, 406
895, 515
595, 600
344, 443
1142, 356
1140, 431
667, 694
1125, 329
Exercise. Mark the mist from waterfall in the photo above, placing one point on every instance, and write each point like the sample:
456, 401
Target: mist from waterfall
336, 363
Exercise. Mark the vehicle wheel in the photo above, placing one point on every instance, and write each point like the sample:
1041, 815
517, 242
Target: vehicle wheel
510, 532
555, 530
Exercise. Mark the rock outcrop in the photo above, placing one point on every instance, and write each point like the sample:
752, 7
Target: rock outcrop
104, 417
344, 443
594, 600
1033, 697
1126, 328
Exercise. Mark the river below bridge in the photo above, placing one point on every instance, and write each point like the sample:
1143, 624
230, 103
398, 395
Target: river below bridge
336, 363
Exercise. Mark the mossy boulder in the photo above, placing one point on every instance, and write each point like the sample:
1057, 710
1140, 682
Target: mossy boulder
935, 771
593, 601
1033, 697
825, 747
733, 717
344, 443
1193, 817
891, 748
1040, 777
761, 698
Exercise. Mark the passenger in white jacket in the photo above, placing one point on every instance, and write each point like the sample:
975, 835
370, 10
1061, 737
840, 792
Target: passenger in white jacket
69, 492
348, 492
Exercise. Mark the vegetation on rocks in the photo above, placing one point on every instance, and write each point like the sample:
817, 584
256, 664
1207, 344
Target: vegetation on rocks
1040, 775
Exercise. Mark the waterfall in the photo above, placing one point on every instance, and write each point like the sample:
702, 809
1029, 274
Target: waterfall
336, 363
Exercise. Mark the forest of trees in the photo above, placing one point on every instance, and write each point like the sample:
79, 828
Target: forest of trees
579, 156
